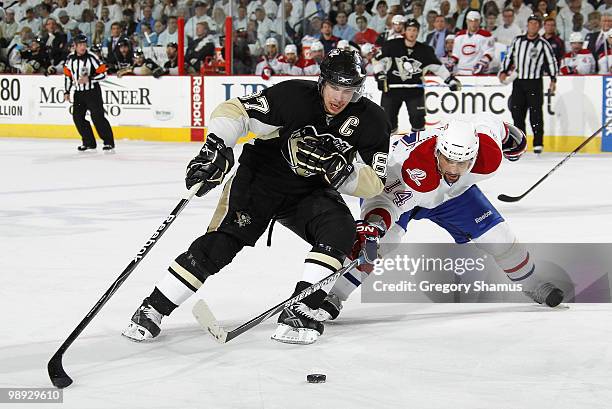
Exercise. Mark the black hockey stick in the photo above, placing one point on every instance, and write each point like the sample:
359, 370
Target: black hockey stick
59, 377
506, 198
207, 320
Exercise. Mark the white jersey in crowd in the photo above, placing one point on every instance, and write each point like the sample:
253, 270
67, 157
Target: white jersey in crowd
273, 63
604, 62
582, 63
472, 49
285, 68
311, 67
413, 178
506, 35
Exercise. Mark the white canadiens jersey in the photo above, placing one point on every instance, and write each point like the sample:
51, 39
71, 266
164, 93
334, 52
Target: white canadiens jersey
582, 63
604, 62
471, 49
273, 63
413, 178
312, 69
284, 68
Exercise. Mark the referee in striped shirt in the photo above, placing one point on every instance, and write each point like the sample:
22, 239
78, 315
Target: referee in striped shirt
529, 56
84, 71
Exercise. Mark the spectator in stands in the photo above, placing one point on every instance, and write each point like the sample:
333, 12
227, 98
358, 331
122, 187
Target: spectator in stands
199, 16
129, 25
506, 32
114, 10
594, 21
450, 25
240, 22
474, 48
490, 22
20, 9
107, 21
98, 35
319, 8
342, 29
490, 7
428, 29
579, 60
578, 26
328, 40
565, 19
147, 37
170, 34
436, 39
365, 33
360, 10
87, 25
96, 7
147, 18
264, 24
596, 41
605, 7
550, 35
43, 11
202, 46
417, 13
75, 9
445, 9
170, 8
56, 43
543, 8
604, 60
218, 16
521, 14
459, 15
31, 21
288, 62
66, 22
378, 20
8, 28
111, 42
61, 5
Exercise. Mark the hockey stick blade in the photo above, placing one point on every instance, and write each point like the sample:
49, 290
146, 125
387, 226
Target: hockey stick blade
59, 377
510, 199
207, 320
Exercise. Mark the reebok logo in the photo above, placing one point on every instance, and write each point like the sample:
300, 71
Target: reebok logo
484, 216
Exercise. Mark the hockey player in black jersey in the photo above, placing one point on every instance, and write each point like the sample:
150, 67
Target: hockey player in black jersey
399, 69
314, 141
141, 66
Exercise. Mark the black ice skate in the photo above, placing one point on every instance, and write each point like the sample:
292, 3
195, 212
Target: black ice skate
108, 148
145, 323
546, 293
298, 324
84, 148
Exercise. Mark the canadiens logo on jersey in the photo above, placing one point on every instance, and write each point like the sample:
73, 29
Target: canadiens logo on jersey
407, 67
416, 175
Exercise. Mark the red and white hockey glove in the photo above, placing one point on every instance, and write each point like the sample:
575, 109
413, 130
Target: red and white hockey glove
514, 143
366, 243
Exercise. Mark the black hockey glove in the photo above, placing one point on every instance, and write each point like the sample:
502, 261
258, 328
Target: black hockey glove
453, 83
514, 143
210, 166
319, 155
158, 72
381, 81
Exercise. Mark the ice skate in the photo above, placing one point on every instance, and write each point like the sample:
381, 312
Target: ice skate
298, 324
546, 293
85, 148
145, 323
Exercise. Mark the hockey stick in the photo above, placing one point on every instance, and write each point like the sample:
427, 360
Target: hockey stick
207, 320
59, 377
510, 199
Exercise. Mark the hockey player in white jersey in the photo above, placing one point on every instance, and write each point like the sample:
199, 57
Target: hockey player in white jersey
433, 175
310, 65
287, 62
579, 60
474, 48
269, 64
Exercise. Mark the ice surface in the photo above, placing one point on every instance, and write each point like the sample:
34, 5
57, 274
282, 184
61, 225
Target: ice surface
71, 222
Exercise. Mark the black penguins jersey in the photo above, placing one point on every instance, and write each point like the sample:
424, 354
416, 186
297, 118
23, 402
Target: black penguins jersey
283, 112
406, 65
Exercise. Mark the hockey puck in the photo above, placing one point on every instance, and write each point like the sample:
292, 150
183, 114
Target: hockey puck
316, 378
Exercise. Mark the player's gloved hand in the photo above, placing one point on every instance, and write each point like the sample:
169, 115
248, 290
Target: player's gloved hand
514, 143
480, 68
210, 166
381, 79
51, 70
158, 72
366, 243
319, 155
453, 83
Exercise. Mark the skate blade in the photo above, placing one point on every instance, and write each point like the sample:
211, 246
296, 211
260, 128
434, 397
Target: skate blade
299, 336
137, 333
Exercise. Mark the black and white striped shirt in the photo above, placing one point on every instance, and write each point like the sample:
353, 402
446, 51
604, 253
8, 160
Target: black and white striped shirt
78, 66
530, 58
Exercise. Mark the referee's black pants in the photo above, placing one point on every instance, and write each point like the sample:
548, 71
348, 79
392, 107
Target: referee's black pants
528, 95
414, 98
91, 100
